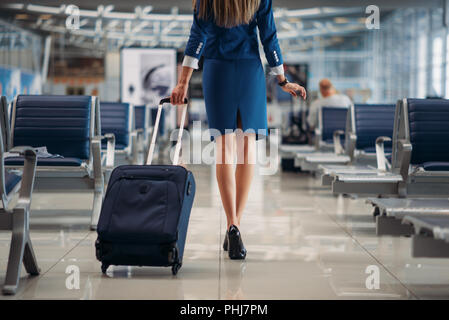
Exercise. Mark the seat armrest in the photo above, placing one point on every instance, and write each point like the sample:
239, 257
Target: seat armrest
28, 175
351, 143
404, 155
140, 139
338, 147
110, 149
96, 161
137, 134
137, 140
382, 162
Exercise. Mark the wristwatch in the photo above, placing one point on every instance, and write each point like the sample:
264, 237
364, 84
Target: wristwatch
283, 83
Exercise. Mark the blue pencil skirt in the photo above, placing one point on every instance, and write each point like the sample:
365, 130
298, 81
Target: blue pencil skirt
233, 87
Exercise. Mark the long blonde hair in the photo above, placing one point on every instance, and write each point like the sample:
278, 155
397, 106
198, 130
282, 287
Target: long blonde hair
227, 13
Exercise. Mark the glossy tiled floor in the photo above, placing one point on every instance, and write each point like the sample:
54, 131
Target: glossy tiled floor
303, 243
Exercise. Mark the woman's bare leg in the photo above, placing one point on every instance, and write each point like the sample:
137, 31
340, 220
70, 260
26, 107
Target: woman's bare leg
225, 176
244, 170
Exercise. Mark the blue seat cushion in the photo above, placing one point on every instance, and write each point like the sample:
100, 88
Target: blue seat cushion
61, 123
371, 122
332, 119
436, 166
11, 181
429, 130
115, 119
59, 162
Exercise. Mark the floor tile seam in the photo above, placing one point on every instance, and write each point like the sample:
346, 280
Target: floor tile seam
344, 229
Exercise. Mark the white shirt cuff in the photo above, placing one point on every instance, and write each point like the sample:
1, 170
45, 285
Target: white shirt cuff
190, 62
277, 71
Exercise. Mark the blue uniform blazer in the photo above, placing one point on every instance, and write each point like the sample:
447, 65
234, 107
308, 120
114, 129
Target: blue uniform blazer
240, 42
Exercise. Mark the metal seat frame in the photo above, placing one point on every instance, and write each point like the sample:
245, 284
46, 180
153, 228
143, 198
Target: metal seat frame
15, 218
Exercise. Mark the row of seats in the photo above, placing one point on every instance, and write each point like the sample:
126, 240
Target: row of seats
83, 138
397, 157
344, 136
369, 129
330, 121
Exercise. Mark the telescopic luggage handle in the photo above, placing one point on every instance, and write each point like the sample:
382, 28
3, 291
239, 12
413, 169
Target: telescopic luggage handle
156, 129
167, 100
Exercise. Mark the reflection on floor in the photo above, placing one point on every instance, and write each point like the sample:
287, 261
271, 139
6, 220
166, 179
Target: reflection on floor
303, 243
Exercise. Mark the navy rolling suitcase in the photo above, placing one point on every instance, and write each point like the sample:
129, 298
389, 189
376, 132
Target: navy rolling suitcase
146, 210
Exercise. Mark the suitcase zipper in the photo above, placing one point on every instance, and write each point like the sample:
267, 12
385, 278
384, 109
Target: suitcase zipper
141, 178
131, 178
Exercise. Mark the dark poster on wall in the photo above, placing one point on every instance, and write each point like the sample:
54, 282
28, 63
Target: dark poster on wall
77, 67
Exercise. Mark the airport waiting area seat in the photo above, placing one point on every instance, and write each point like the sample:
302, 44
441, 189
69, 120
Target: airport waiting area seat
116, 127
15, 218
430, 237
369, 128
390, 213
330, 121
68, 126
289, 152
331, 125
420, 141
368, 123
420, 168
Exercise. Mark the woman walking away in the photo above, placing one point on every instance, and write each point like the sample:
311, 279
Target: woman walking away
225, 33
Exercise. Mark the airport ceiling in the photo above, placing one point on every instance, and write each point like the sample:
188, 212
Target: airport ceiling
186, 5
109, 24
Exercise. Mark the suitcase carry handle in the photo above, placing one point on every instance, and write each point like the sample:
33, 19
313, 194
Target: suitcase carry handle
156, 129
167, 100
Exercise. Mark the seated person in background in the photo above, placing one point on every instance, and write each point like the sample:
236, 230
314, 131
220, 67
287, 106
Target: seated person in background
329, 98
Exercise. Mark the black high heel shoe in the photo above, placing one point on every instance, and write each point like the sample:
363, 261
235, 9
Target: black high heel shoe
236, 248
225, 243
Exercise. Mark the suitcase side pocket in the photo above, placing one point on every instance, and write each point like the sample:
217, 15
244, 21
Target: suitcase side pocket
141, 210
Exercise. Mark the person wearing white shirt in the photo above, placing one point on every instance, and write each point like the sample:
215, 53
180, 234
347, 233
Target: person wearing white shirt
329, 98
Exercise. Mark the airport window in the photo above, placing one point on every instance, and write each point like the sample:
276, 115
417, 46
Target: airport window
437, 64
422, 66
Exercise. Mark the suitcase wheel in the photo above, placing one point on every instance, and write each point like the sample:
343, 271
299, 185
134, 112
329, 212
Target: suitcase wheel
104, 268
175, 268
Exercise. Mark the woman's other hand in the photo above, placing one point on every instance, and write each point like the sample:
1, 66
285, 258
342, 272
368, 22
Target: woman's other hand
294, 88
178, 94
